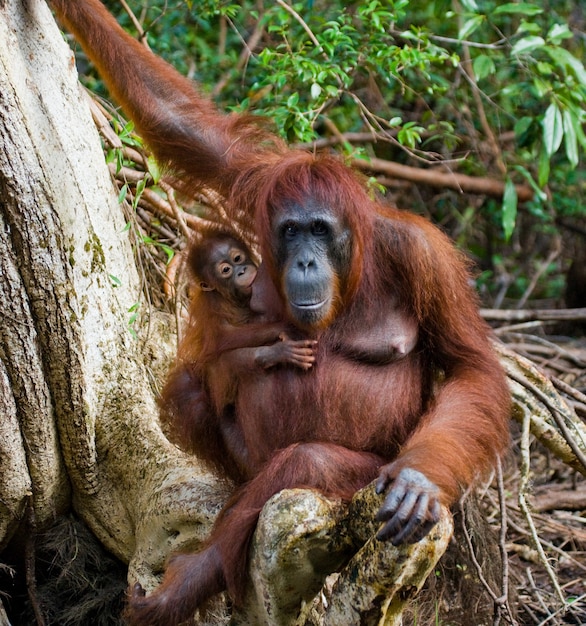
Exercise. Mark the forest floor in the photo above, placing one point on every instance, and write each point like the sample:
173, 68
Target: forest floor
557, 500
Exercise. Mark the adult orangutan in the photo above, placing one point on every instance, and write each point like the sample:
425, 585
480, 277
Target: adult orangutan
423, 426
234, 330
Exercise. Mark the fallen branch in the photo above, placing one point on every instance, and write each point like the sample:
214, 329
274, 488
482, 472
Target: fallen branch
528, 315
560, 498
551, 419
451, 180
524, 486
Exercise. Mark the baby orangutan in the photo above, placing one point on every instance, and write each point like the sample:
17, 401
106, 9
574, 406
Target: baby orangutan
224, 334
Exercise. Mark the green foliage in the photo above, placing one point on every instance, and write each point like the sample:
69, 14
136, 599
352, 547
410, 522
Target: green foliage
323, 73
134, 311
127, 137
497, 88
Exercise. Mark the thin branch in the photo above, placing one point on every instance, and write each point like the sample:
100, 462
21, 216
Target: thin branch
193, 221
141, 31
550, 546
249, 47
304, 25
378, 125
126, 174
570, 391
523, 488
177, 212
566, 499
540, 271
558, 418
222, 36
562, 610
466, 69
503, 601
500, 602
30, 559
548, 348
498, 45
102, 122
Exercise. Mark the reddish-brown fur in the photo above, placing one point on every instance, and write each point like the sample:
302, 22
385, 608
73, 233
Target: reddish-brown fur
224, 341
442, 410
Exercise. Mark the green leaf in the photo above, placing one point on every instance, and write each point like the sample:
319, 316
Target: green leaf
140, 187
543, 169
509, 208
545, 69
116, 282
122, 194
315, 91
566, 60
483, 66
542, 87
528, 44
570, 122
522, 125
470, 25
154, 169
558, 32
407, 34
528, 27
167, 250
579, 117
553, 129
410, 135
529, 178
522, 8
470, 5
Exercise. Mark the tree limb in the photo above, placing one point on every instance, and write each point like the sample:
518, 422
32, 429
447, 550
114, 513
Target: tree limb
529, 315
450, 180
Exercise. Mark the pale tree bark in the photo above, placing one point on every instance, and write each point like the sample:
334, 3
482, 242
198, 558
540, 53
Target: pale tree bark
79, 417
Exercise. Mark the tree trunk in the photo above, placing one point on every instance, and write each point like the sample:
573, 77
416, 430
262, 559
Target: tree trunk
80, 423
